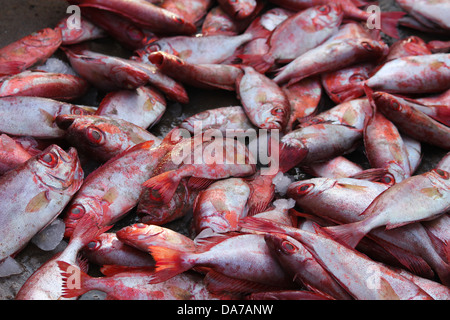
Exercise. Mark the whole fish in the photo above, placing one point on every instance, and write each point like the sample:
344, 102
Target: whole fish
244, 257
105, 72
264, 102
412, 121
50, 85
84, 32
141, 236
12, 154
332, 133
113, 189
204, 76
107, 249
220, 206
345, 265
46, 183
144, 14
385, 148
416, 198
305, 270
219, 159
388, 23
343, 200
134, 286
101, 137
34, 116
410, 75
196, 49
33, 49
331, 56
143, 106
303, 31
304, 98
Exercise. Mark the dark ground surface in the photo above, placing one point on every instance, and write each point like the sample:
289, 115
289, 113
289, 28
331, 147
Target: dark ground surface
19, 18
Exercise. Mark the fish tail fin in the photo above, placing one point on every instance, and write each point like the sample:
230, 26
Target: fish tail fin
74, 280
389, 23
163, 186
348, 234
260, 62
169, 262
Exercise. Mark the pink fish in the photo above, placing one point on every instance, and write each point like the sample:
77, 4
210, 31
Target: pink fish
331, 56
101, 137
345, 265
56, 86
263, 100
144, 14
46, 183
205, 76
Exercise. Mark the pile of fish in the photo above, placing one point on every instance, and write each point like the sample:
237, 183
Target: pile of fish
310, 223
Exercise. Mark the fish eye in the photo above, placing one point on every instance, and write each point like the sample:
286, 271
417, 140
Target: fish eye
95, 136
288, 247
366, 45
202, 115
77, 111
154, 47
443, 174
324, 9
94, 245
135, 34
277, 111
387, 179
141, 225
304, 188
49, 159
396, 106
77, 211
357, 78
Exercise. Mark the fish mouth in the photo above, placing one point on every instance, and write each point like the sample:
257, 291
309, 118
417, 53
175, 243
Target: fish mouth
65, 121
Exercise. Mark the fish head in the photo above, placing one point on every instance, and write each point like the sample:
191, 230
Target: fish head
44, 38
309, 188
141, 235
440, 179
78, 208
96, 135
274, 116
103, 241
58, 170
389, 104
281, 244
329, 15
374, 48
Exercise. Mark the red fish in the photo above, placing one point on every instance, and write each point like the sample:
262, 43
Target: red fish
33, 49
85, 32
12, 154
56, 86
205, 76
